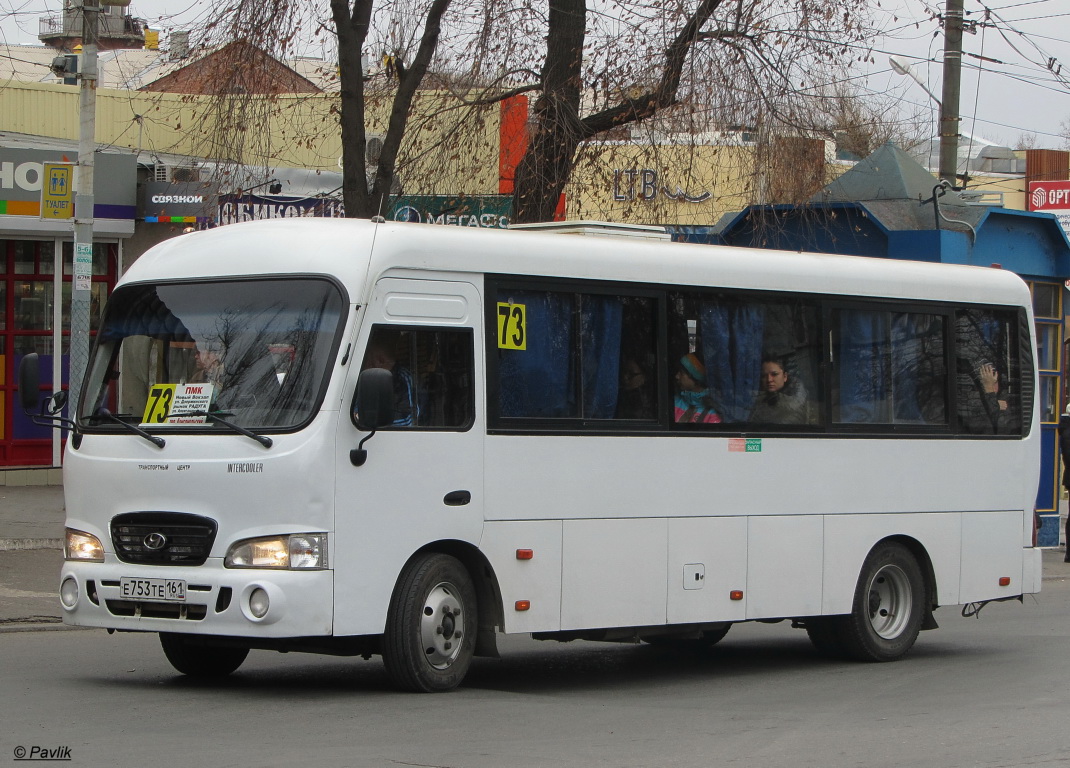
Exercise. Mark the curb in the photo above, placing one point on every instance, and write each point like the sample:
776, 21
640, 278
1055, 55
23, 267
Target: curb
37, 624
9, 545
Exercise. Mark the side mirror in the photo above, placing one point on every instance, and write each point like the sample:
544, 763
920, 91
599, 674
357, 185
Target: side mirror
373, 407
373, 404
56, 403
29, 383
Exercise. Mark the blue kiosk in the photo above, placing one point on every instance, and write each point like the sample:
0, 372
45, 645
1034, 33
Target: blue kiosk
888, 206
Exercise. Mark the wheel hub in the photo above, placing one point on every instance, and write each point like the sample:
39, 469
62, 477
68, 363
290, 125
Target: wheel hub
890, 602
441, 626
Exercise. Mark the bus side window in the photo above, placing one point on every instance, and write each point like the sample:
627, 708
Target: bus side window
432, 372
890, 368
579, 355
729, 341
988, 372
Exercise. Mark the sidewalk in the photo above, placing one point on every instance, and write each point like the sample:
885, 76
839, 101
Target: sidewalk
31, 516
31, 554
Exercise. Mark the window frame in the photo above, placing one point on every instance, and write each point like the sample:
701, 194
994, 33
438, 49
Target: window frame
462, 331
834, 304
499, 284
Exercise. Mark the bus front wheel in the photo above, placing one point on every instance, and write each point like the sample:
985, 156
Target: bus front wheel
198, 660
889, 605
431, 625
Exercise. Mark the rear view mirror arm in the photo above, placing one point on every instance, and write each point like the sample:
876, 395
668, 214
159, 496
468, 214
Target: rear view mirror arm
358, 455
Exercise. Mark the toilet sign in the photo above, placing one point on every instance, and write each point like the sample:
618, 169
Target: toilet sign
57, 191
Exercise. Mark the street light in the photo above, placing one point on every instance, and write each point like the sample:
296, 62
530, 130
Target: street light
901, 67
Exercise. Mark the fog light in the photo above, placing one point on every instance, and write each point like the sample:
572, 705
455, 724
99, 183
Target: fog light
68, 592
259, 603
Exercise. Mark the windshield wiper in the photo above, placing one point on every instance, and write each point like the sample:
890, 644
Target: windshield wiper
215, 416
104, 413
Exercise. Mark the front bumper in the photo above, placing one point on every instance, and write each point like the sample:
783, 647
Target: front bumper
300, 603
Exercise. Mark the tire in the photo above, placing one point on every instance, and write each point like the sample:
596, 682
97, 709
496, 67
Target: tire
431, 625
889, 605
708, 638
824, 633
714, 636
202, 661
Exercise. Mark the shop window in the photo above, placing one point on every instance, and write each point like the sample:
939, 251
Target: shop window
1048, 346
1046, 300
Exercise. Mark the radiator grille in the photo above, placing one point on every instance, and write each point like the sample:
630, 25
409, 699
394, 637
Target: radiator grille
162, 538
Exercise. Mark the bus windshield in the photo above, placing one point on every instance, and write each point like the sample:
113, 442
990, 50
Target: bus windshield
251, 352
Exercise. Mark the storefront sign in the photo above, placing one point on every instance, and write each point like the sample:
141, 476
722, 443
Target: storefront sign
176, 202
22, 176
1051, 197
235, 208
647, 184
481, 211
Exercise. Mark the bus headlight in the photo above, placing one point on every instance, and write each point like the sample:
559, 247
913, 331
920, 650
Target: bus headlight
82, 546
298, 551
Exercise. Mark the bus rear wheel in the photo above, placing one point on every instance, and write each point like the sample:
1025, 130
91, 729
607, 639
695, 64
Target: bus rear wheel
889, 605
195, 659
431, 625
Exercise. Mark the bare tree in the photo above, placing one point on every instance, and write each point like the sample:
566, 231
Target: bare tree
632, 71
352, 25
735, 62
280, 28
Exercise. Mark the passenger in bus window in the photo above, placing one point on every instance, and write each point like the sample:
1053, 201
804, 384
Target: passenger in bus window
636, 397
207, 365
694, 404
782, 399
983, 406
381, 354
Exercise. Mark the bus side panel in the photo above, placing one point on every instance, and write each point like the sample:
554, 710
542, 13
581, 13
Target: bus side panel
784, 566
613, 573
707, 562
536, 580
991, 550
849, 538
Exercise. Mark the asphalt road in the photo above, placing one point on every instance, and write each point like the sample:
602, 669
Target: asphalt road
986, 692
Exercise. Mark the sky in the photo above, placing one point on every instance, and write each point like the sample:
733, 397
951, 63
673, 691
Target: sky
1015, 76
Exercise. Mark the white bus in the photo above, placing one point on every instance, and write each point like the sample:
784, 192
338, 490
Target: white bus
356, 438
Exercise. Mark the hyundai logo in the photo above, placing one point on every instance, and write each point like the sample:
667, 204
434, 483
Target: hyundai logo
155, 541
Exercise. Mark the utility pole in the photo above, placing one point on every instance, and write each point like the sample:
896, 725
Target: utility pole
949, 104
82, 274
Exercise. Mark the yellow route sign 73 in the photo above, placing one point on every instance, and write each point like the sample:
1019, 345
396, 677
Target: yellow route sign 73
512, 326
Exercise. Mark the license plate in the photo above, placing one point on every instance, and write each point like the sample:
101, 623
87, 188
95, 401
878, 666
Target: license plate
160, 590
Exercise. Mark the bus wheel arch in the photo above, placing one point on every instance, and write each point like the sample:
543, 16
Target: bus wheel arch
928, 573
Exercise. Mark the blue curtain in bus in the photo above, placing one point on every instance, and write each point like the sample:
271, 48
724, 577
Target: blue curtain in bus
887, 372
864, 366
600, 339
907, 361
537, 381
732, 337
